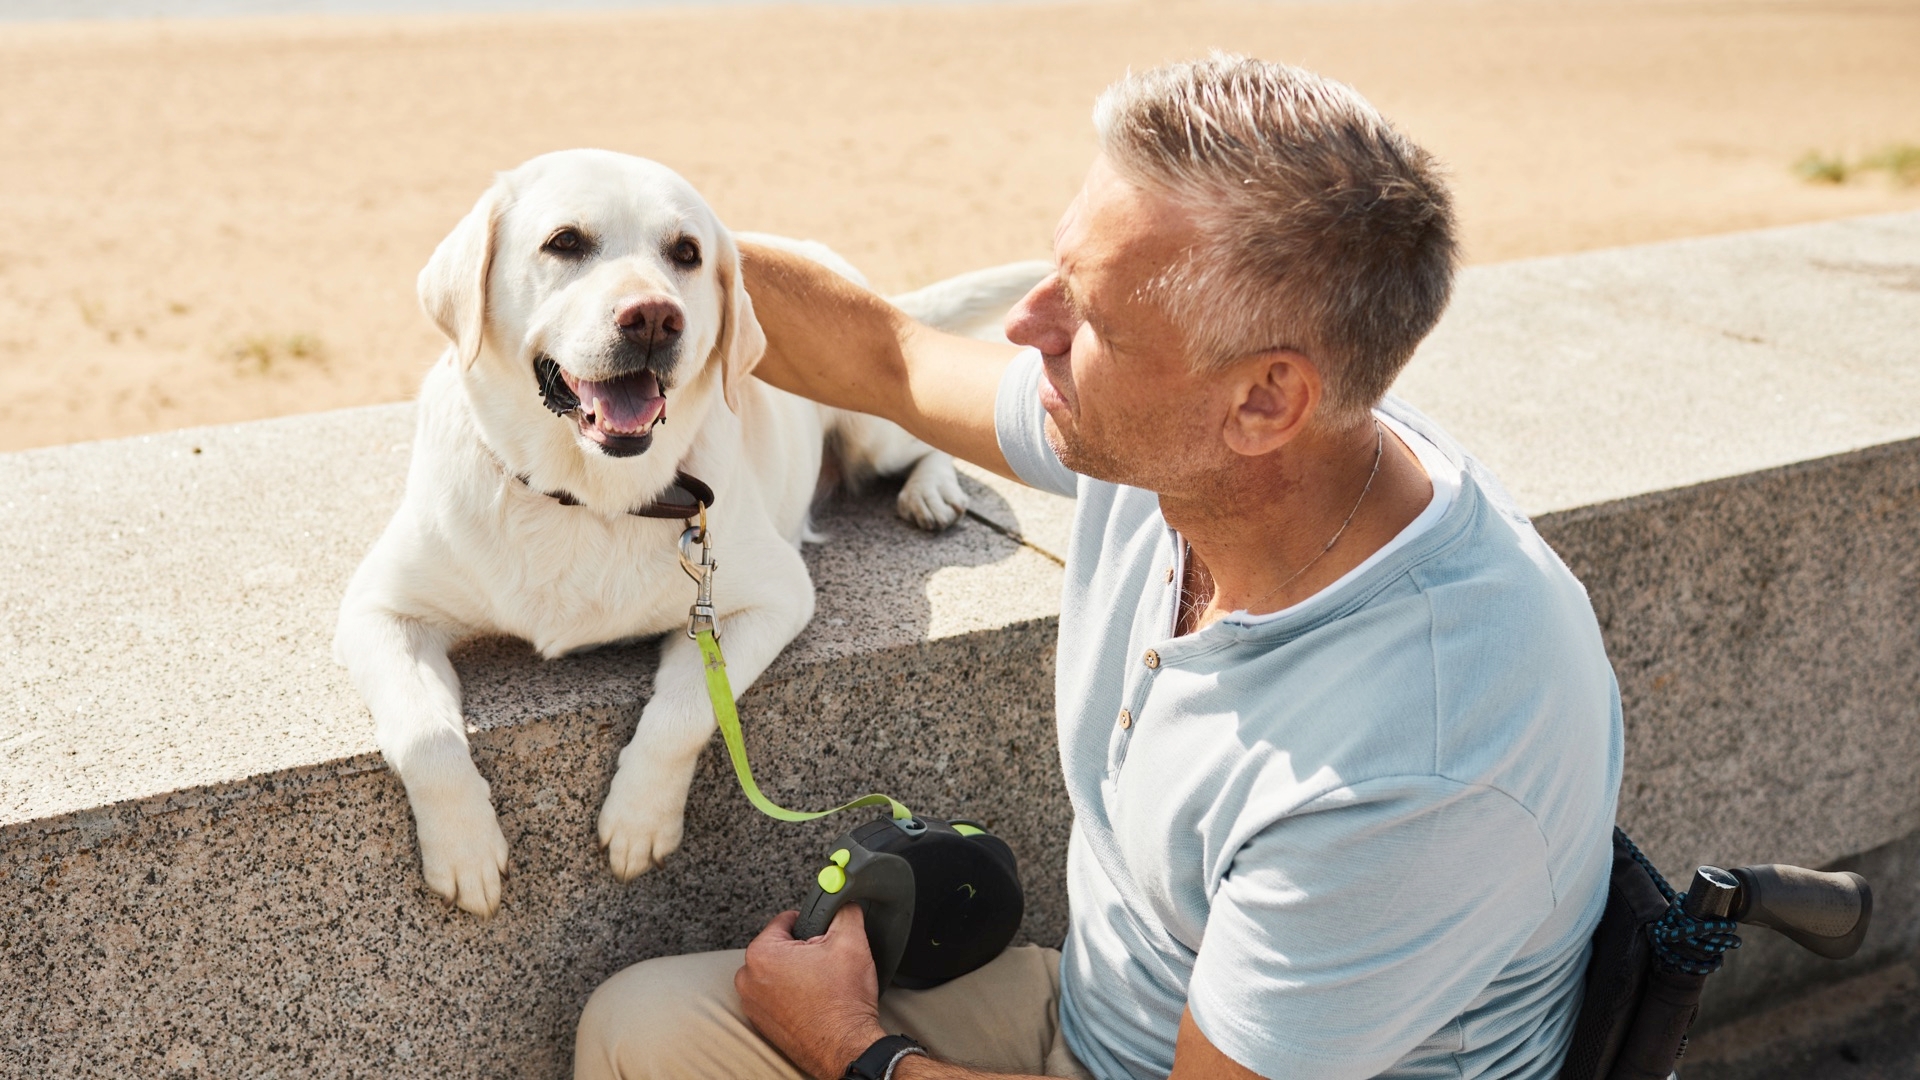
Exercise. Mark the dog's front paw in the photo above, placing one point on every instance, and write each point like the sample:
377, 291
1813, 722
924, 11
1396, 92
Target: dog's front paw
462, 851
642, 819
932, 497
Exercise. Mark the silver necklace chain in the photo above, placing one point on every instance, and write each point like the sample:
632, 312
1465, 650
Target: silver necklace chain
1379, 445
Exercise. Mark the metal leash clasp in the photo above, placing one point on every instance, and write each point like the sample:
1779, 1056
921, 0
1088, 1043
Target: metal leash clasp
701, 615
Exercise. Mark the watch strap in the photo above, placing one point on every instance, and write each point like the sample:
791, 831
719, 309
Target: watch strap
880, 1059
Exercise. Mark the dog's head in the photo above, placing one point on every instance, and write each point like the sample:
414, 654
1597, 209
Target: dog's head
606, 284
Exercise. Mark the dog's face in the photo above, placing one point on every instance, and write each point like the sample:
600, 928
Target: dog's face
606, 284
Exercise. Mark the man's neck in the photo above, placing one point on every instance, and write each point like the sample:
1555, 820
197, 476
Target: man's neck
1259, 531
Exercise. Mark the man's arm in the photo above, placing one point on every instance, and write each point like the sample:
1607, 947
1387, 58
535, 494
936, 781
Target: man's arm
818, 1002
839, 344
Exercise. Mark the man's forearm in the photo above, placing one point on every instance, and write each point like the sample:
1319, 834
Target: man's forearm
839, 344
827, 338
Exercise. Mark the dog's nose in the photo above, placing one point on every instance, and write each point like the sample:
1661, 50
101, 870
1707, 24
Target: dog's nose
651, 323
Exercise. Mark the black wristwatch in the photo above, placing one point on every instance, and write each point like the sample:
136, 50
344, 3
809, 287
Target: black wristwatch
882, 1058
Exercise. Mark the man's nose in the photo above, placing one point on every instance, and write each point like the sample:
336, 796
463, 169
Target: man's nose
1042, 319
650, 322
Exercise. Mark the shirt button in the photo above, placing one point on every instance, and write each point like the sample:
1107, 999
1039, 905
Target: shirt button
1169, 575
1126, 719
1152, 659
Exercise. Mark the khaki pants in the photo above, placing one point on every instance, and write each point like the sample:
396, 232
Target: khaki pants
678, 1018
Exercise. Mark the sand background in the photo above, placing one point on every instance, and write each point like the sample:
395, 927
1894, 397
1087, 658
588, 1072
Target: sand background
206, 221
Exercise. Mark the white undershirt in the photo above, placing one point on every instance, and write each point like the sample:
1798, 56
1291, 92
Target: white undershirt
1442, 473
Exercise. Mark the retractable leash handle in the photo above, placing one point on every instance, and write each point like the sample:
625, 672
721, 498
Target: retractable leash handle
965, 906
883, 884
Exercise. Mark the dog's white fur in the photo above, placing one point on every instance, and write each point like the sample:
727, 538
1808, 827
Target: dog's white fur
474, 550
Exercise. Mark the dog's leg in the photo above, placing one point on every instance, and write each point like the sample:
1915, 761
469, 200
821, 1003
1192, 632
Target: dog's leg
931, 498
642, 820
400, 667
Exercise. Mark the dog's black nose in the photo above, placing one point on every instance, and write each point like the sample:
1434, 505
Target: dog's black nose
651, 323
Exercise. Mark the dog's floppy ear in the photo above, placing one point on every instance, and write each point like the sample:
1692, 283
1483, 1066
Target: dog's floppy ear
742, 342
453, 286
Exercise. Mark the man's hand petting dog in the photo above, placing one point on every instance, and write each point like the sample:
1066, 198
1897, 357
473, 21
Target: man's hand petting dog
817, 1000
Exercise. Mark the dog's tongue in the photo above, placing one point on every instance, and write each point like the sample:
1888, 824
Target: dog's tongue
628, 405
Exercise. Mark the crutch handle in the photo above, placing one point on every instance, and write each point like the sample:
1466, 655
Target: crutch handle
1826, 913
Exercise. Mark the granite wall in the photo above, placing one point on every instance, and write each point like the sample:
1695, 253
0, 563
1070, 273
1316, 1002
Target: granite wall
279, 928
1765, 631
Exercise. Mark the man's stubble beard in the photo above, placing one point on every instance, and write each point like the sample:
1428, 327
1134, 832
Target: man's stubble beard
1075, 457
1159, 469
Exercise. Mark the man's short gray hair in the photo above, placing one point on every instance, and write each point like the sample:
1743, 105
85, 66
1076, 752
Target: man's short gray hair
1321, 228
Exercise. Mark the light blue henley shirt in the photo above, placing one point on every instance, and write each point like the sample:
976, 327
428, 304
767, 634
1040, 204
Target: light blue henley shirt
1364, 836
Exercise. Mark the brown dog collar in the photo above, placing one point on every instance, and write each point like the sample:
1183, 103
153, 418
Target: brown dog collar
683, 500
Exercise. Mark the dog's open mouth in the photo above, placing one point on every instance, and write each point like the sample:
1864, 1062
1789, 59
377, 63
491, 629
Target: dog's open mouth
616, 414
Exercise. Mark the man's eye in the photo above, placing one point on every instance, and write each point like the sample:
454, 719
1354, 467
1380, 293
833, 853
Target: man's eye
685, 253
567, 241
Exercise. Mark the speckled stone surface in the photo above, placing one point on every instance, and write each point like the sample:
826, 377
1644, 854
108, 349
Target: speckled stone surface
1765, 631
205, 870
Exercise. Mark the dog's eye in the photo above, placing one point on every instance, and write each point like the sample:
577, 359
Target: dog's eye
685, 253
565, 241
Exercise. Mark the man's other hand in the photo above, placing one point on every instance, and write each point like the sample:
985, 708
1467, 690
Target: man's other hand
817, 1000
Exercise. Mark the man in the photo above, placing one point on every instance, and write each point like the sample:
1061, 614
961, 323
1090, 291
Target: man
1341, 739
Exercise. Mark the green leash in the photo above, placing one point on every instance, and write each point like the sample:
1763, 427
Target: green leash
702, 629
883, 866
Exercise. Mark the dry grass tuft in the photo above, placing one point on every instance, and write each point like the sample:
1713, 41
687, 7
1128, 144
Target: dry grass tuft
1900, 161
1817, 168
264, 354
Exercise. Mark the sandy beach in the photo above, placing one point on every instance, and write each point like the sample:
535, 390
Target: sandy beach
207, 221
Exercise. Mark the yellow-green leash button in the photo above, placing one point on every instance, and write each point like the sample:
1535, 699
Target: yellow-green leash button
839, 858
832, 879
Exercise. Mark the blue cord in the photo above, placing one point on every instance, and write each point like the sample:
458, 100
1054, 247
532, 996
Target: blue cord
1680, 941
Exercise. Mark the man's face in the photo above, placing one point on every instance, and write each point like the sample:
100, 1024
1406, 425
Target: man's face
1122, 401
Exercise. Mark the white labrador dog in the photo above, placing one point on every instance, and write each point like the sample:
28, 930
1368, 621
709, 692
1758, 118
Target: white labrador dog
584, 293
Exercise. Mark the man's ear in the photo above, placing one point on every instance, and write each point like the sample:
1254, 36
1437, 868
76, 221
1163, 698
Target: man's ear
742, 342
1276, 395
453, 286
